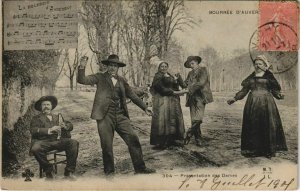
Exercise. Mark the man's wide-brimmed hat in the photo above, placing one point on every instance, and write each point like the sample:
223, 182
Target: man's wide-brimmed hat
190, 58
52, 99
113, 59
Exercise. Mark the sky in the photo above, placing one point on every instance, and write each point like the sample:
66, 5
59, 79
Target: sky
224, 32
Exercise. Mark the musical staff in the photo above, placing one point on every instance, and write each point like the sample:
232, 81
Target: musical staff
46, 16
42, 42
42, 33
47, 25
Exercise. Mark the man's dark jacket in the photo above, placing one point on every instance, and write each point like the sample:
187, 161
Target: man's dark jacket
104, 93
198, 85
40, 125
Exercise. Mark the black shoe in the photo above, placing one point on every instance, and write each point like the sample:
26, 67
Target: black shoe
49, 175
145, 171
270, 155
110, 174
178, 143
70, 176
198, 142
159, 147
188, 136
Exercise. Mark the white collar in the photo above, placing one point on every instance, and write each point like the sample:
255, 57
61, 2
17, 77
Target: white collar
260, 74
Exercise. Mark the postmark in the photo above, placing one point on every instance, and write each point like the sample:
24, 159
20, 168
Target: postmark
281, 59
278, 26
277, 35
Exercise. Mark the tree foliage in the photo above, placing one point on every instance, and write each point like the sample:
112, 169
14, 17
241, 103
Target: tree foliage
31, 67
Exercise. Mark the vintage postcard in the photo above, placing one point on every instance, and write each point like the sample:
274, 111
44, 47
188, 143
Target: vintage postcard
149, 95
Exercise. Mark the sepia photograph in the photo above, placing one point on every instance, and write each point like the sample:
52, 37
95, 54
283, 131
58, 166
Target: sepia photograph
149, 95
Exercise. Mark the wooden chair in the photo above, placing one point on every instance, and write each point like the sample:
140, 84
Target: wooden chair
54, 161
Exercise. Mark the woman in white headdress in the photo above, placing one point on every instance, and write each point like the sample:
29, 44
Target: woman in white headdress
262, 132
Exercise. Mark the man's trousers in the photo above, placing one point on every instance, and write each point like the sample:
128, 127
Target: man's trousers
115, 120
40, 148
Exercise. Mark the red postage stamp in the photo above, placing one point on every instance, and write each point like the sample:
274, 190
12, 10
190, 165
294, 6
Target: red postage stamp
278, 26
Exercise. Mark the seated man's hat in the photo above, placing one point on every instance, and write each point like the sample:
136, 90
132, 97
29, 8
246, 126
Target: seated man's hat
52, 99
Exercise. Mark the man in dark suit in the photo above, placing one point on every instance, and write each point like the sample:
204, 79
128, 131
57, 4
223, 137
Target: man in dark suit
48, 134
110, 111
199, 94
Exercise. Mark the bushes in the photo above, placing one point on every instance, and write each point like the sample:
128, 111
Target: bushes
24, 73
16, 142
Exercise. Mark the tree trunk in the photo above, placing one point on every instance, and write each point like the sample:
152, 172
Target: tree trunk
103, 45
146, 64
22, 92
139, 75
146, 72
76, 74
5, 104
71, 83
132, 76
220, 83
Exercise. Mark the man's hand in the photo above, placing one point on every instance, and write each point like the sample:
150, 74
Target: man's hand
281, 96
181, 92
54, 129
148, 112
176, 76
231, 101
62, 125
83, 61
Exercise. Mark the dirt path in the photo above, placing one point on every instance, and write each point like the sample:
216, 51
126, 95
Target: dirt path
221, 130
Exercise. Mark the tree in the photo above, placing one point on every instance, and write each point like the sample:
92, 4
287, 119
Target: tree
128, 31
101, 21
169, 17
31, 68
211, 58
138, 30
71, 67
145, 22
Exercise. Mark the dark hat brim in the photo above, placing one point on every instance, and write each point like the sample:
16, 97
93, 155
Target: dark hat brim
108, 61
190, 58
52, 99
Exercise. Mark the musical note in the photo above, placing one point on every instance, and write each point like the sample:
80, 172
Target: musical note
15, 42
29, 42
42, 24
49, 42
31, 25
46, 16
38, 41
27, 34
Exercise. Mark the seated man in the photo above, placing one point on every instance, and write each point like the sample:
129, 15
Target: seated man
49, 134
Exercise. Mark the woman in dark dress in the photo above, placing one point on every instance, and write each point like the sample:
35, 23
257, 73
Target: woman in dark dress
167, 126
262, 132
